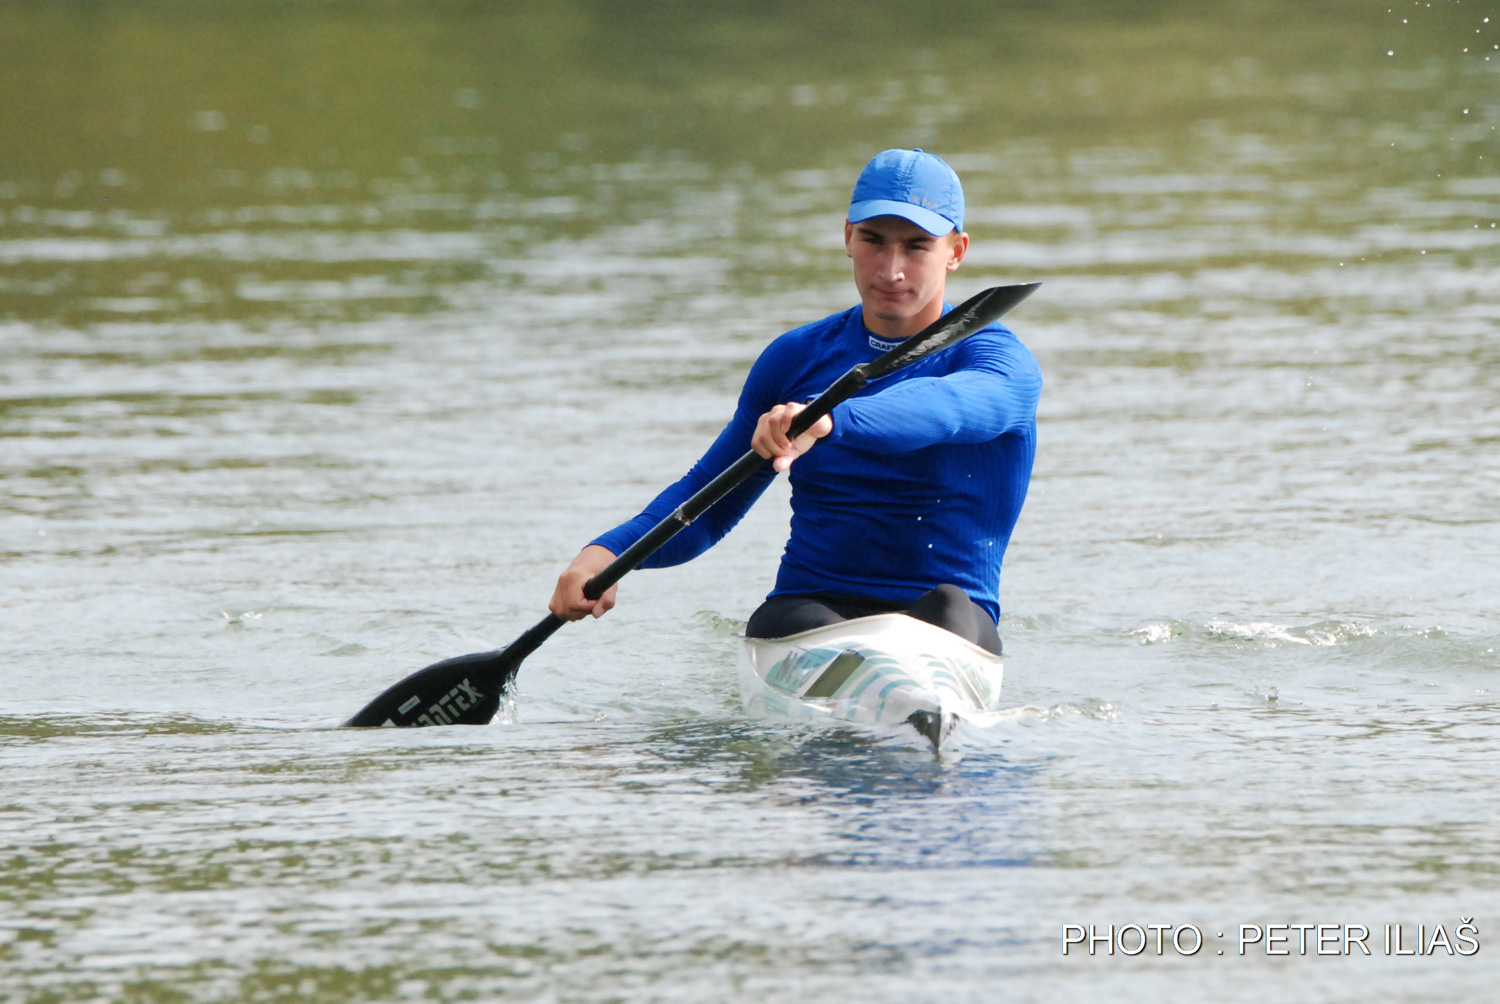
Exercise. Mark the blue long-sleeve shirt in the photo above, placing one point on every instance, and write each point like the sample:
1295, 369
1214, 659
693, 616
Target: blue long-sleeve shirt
919, 484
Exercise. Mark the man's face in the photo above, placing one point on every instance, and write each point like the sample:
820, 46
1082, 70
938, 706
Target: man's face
900, 270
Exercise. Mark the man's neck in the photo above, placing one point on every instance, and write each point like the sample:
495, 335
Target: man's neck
897, 329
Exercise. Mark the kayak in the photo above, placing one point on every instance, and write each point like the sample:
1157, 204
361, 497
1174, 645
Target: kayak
880, 670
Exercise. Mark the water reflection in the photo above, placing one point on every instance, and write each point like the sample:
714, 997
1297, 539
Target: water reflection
295, 179
890, 801
46, 727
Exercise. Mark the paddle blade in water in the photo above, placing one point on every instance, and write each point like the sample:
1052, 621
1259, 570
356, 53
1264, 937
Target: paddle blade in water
461, 691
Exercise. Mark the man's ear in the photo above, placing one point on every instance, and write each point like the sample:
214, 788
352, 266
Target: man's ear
848, 239
957, 251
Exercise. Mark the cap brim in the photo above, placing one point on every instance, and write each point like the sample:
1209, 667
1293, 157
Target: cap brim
924, 218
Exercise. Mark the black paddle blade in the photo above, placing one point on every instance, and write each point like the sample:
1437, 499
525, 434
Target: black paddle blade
461, 691
974, 314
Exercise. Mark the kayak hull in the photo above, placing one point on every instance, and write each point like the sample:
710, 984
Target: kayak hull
880, 670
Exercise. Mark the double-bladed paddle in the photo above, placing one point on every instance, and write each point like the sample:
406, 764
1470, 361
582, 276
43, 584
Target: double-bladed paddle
466, 690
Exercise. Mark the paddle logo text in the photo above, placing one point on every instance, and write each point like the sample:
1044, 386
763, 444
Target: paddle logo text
446, 709
1275, 939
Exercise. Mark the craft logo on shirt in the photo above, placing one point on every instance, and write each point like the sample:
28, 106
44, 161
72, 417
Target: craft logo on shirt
880, 344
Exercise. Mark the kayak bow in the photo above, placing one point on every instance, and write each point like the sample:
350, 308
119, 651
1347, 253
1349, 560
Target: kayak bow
885, 669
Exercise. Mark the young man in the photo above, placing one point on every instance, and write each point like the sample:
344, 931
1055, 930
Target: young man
905, 496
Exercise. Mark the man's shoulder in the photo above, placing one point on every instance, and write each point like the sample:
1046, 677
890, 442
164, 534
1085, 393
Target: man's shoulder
821, 328
795, 357
813, 340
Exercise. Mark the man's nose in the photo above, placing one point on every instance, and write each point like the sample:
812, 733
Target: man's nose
895, 266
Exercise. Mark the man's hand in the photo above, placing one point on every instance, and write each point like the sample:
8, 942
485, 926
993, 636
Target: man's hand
770, 439
568, 601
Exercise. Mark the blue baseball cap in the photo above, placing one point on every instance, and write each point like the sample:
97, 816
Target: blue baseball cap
911, 184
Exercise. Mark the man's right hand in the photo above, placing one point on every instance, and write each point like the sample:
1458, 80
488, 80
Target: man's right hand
771, 441
568, 601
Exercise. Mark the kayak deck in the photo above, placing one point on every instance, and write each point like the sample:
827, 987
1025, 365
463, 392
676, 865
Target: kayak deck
878, 670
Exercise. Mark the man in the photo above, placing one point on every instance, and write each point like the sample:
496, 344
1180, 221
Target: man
904, 497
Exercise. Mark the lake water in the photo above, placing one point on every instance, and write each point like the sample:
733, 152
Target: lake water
328, 334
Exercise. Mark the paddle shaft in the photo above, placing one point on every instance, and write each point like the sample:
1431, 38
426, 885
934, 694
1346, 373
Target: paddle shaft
731, 478
682, 517
961, 322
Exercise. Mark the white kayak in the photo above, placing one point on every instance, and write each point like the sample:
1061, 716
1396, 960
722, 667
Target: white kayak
879, 670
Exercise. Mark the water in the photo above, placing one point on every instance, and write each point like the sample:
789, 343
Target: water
328, 335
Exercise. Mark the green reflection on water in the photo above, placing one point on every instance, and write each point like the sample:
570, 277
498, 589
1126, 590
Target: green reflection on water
61, 726
256, 160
